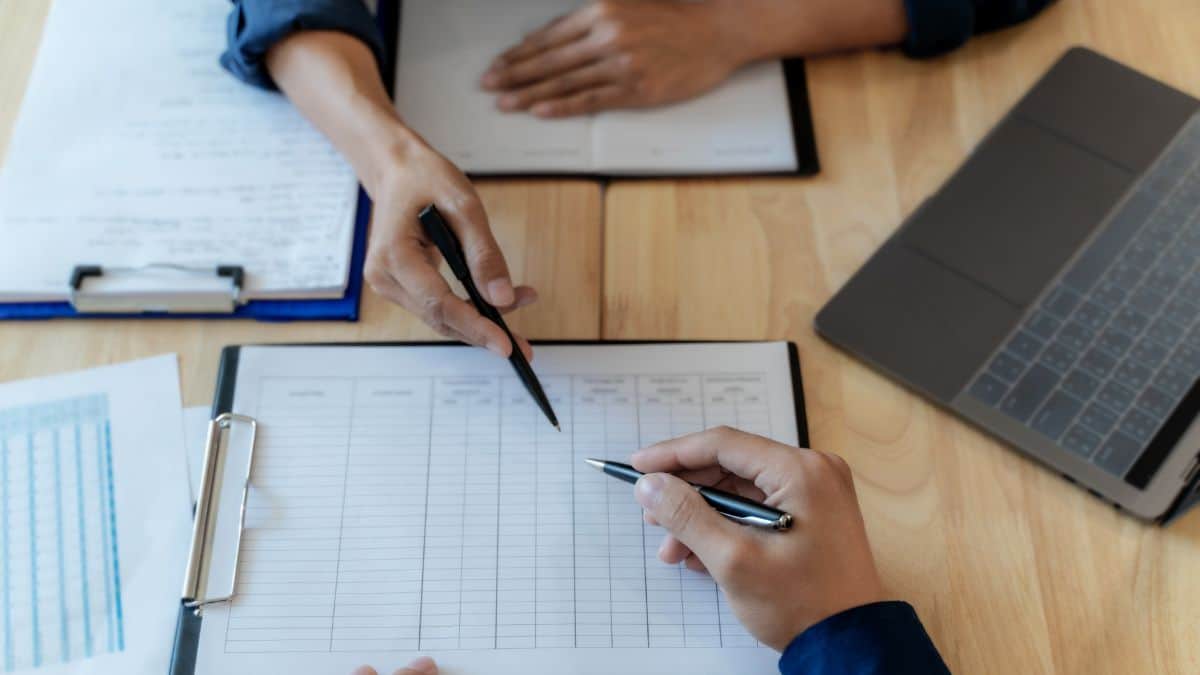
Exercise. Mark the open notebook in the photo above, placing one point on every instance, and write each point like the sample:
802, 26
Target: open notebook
413, 499
757, 122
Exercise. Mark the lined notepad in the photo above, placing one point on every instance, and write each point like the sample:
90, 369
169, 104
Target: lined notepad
414, 500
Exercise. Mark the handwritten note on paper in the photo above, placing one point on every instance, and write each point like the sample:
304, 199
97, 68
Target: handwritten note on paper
134, 147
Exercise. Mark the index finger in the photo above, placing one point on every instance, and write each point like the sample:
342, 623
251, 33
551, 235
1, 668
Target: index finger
749, 456
559, 31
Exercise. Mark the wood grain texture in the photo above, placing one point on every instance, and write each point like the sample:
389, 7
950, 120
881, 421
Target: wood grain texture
1012, 569
550, 231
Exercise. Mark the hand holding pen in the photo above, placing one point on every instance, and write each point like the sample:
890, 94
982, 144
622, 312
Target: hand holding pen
778, 583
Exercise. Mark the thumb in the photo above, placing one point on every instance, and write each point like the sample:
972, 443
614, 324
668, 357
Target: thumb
683, 512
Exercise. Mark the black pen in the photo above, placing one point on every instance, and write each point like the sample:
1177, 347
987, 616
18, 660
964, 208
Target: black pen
447, 242
733, 507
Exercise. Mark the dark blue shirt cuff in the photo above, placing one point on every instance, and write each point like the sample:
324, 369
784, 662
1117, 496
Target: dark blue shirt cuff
938, 26
883, 638
255, 26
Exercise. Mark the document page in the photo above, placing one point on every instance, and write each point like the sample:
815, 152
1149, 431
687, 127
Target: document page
134, 147
94, 511
744, 125
414, 500
445, 47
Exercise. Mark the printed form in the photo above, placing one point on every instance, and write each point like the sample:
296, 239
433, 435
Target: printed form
415, 501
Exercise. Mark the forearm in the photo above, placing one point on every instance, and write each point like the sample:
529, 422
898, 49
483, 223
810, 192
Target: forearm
332, 78
769, 29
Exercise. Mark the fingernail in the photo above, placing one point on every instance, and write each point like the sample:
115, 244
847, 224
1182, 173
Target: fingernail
542, 110
648, 490
423, 664
497, 349
507, 102
491, 79
502, 293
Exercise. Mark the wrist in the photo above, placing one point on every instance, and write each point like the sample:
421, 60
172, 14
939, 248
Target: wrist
385, 143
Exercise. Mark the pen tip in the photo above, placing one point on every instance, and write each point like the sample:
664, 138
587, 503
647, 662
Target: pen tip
595, 463
559, 428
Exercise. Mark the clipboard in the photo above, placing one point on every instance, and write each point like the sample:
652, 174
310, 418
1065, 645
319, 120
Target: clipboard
187, 630
210, 304
808, 163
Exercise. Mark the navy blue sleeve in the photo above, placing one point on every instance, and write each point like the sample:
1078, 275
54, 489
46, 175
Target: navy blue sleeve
884, 638
256, 25
938, 26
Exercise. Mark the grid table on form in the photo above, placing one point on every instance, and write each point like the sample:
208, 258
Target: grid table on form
444, 513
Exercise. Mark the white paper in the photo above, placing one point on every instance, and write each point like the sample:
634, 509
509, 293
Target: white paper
133, 148
446, 45
93, 487
195, 433
414, 500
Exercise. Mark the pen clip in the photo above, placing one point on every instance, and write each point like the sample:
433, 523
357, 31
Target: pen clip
438, 231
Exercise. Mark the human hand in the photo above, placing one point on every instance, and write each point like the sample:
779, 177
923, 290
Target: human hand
777, 583
421, 666
402, 263
620, 54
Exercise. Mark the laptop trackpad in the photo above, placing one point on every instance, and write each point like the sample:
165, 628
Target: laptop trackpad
1017, 210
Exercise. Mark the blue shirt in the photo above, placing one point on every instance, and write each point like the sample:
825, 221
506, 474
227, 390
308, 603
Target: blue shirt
935, 26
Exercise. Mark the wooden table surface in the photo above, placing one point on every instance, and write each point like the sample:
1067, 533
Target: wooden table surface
1012, 569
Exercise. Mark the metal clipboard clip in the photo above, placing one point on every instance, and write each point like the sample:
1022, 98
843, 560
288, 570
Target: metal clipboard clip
206, 504
159, 287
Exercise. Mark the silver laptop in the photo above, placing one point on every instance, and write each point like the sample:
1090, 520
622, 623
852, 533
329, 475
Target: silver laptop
1049, 292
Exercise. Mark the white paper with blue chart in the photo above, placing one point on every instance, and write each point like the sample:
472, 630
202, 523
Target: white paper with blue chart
93, 520
415, 500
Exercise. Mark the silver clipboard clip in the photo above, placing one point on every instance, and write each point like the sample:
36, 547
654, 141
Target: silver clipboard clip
206, 503
159, 287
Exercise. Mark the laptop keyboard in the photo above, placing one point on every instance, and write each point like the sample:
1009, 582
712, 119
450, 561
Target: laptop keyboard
1112, 348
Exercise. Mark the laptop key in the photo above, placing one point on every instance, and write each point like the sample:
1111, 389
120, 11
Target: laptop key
1187, 359
1059, 357
1182, 309
988, 389
1125, 276
1029, 393
1056, 414
1061, 302
1115, 396
1108, 296
1076, 335
1006, 367
1025, 346
1117, 453
1080, 385
1149, 352
1165, 331
1173, 381
1139, 426
1148, 300
1099, 419
1042, 325
1156, 402
1114, 342
1081, 441
1133, 375
1098, 362
1092, 315
1130, 321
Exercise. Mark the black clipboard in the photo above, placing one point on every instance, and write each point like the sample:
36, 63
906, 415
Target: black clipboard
187, 629
795, 74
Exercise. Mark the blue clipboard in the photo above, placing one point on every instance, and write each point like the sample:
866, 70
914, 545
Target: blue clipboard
344, 308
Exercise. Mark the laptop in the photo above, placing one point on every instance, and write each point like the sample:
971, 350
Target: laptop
1049, 292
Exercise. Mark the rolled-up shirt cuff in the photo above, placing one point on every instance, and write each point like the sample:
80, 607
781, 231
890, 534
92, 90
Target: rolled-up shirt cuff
882, 638
254, 26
